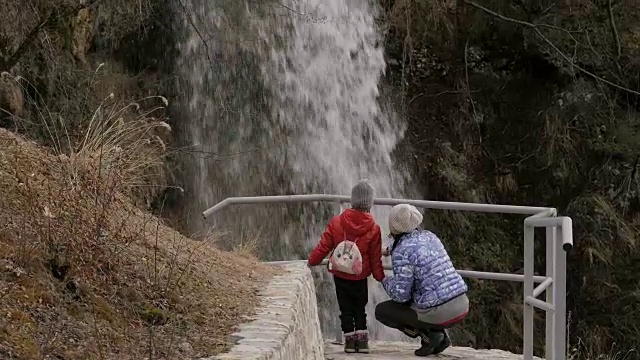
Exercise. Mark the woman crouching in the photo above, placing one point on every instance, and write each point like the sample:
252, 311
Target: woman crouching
427, 293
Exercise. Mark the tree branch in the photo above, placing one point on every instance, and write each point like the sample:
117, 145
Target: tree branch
614, 31
536, 29
9, 62
195, 28
284, 6
13, 59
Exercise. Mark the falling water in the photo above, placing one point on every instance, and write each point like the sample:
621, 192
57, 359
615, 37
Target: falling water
283, 98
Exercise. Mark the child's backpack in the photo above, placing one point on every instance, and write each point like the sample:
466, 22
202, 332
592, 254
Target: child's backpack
346, 257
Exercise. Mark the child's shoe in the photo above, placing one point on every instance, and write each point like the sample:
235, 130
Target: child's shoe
350, 342
362, 341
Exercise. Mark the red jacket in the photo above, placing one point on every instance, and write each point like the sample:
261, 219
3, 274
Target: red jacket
360, 226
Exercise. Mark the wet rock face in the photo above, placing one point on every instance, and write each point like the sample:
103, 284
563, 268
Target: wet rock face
82, 35
11, 97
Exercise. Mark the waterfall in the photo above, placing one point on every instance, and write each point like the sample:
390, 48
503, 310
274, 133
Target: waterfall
282, 97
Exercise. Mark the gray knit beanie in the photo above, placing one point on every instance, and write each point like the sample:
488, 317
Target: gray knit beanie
404, 218
362, 196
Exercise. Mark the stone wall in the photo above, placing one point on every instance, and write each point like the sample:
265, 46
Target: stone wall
286, 325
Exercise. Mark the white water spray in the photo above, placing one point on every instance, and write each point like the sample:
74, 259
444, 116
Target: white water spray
318, 64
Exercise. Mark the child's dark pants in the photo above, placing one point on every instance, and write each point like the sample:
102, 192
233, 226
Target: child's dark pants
353, 296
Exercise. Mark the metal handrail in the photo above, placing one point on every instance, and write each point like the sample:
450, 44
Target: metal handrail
465, 273
426, 204
559, 240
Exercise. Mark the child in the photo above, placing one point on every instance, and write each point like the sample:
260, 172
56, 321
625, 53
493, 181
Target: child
355, 225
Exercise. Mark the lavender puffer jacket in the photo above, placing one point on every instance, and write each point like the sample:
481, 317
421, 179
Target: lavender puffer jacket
423, 272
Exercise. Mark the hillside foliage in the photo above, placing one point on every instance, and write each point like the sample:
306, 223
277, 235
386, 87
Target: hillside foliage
86, 272
529, 103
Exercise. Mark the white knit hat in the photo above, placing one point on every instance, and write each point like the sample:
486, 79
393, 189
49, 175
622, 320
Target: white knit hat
404, 218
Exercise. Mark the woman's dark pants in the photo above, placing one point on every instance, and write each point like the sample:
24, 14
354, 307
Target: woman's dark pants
402, 317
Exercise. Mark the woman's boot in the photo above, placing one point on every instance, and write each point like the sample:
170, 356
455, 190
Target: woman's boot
430, 342
444, 344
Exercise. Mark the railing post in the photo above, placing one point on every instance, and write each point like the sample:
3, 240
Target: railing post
527, 331
338, 329
551, 246
560, 297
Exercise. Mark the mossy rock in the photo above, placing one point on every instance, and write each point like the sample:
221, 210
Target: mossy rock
153, 316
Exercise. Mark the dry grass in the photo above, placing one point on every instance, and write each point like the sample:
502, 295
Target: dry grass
248, 247
123, 145
585, 350
84, 274
418, 21
590, 355
122, 142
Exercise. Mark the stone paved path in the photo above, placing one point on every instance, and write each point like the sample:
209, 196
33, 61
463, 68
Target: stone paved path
404, 351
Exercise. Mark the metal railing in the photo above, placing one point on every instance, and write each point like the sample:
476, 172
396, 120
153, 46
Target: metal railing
559, 239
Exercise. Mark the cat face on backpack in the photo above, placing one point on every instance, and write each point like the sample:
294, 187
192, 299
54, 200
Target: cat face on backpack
346, 258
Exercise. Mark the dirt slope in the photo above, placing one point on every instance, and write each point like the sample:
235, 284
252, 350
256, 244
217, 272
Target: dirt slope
86, 275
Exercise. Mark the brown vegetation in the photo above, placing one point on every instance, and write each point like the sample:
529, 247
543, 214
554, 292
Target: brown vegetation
84, 274
85, 271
